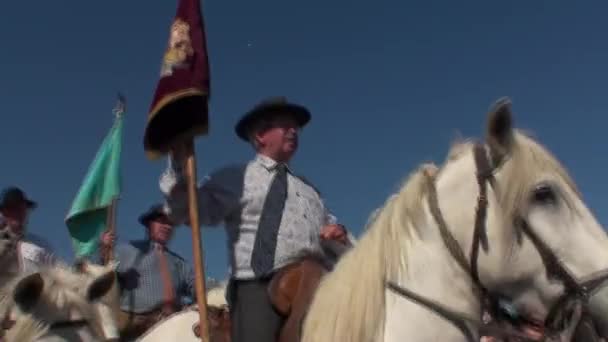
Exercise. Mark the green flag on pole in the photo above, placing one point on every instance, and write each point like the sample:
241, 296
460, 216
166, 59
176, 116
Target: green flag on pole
88, 216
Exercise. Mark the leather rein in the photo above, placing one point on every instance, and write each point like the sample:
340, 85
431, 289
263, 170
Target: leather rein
77, 323
576, 293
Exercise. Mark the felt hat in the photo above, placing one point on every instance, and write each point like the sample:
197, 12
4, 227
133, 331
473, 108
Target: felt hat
276, 106
152, 213
13, 195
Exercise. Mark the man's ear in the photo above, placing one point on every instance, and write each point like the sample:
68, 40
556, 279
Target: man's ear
258, 137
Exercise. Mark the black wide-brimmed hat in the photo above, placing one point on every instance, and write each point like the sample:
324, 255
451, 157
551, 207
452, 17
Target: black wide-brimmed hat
152, 213
274, 106
12, 196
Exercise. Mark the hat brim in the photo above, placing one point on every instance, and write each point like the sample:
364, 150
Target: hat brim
28, 203
31, 204
145, 219
300, 113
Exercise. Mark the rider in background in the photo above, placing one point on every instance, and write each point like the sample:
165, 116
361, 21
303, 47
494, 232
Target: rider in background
153, 280
33, 251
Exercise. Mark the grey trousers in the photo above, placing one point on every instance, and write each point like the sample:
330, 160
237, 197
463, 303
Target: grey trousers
253, 317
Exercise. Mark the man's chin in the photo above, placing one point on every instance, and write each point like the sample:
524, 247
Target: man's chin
290, 149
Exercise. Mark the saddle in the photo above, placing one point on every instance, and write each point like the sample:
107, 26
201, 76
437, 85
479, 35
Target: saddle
219, 324
291, 291
132, 325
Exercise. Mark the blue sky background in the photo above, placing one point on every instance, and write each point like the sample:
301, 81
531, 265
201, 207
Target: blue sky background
390, 85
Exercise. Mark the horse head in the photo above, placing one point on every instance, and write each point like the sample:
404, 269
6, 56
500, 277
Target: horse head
63, 304
536, 243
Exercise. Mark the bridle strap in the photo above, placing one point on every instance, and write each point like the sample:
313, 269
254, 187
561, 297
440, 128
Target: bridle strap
463, 322
577, 290
9, 323
480, 238
484, 173
68, 324
553, 265
460, 320
447, 237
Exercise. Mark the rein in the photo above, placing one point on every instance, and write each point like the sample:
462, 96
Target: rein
68, 324
576, 293
8, 324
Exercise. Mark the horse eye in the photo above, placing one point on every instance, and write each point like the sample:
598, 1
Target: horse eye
544, 194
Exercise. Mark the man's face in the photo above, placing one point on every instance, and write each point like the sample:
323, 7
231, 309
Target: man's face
161, 230
279, 138
16, 216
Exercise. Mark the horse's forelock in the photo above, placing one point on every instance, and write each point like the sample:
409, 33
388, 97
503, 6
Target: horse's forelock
528, 160
525, 162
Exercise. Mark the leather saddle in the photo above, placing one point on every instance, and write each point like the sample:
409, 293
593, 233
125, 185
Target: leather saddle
291, 291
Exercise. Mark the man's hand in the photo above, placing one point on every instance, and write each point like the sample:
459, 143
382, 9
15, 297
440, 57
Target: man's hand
108, 238
335, 232
178, 153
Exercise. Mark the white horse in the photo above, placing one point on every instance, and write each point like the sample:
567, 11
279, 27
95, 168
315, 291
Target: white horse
61, 304
406, 280
179, 326
56, 303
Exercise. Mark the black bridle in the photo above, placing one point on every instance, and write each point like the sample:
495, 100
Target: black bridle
576, 292
57, 325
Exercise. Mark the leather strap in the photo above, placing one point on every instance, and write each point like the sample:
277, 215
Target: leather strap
484, 173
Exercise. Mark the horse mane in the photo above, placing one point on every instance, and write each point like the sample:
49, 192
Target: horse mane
529, 160
357, 314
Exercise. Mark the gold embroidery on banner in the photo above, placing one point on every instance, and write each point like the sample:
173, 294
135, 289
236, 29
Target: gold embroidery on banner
179, 50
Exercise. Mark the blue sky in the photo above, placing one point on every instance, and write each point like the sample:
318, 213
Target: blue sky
390, 84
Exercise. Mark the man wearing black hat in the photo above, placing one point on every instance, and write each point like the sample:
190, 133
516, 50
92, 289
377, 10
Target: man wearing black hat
271, 215
152, 278
33, 251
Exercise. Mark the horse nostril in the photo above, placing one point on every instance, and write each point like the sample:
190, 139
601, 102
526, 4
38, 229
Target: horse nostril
6, 236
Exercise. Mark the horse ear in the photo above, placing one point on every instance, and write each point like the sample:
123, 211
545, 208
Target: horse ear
101, 286
499, 131
28, 291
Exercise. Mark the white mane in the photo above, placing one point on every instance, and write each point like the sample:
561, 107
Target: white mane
378, 252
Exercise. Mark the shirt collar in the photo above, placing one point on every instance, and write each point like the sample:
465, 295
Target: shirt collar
269, 163
153, 245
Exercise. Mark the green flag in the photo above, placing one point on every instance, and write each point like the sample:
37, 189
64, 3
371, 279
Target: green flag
88, 216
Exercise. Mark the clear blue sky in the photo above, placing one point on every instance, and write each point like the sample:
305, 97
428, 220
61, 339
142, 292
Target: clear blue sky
389, 83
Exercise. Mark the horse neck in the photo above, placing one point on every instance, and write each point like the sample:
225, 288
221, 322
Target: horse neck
433, 273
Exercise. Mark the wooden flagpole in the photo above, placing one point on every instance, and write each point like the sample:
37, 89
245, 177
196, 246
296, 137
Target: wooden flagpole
111, 224
111, 219
198, 256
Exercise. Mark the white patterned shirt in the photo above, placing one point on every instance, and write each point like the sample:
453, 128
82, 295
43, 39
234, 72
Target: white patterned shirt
234, 195
34, 252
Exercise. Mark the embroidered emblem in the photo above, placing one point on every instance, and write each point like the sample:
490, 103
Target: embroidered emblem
179, 50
